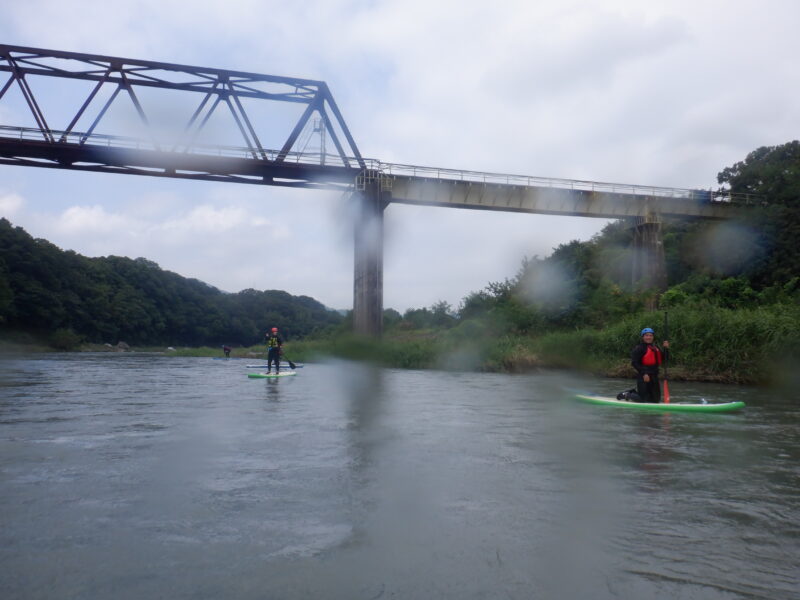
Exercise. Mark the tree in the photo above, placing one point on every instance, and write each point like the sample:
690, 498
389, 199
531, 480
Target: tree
442, 314
44, 289
391, 317
773, 173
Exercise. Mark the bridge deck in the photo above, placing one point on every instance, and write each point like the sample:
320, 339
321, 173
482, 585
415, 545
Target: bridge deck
408, 184
606, 204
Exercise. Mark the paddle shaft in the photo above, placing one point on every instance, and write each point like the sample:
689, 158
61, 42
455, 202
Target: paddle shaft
291, 364
666, 378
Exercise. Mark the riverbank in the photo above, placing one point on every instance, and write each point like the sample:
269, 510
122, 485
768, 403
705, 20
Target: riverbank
753, 346
508, 354
756, 346
415, 350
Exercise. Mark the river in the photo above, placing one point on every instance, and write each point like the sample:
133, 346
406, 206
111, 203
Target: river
133, 476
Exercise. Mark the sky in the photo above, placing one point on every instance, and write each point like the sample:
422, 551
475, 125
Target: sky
654, 93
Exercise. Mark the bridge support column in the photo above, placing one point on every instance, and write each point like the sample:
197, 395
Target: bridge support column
649, 264
368, 255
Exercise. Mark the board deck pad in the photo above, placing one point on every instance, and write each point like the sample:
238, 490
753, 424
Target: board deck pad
662, 406
265, 366
271, 375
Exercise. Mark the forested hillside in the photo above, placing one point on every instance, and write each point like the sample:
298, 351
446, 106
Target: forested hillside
45, 290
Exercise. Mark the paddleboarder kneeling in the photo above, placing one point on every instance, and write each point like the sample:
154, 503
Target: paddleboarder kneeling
274, 343
645, 358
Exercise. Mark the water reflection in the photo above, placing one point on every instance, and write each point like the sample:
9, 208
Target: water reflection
272, 389
653, 449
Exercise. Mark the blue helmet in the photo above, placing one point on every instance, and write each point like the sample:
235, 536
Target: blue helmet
646, 330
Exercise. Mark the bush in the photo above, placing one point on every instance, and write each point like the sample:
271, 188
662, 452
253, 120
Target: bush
743, 345
65, 339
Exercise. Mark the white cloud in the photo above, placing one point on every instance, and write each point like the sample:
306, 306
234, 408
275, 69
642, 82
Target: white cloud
10, 204
206, 219
80, 220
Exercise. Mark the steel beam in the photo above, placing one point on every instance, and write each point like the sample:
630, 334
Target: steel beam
171, 164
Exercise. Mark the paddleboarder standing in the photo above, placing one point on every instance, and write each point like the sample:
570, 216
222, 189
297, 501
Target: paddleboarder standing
645, 358
274, 343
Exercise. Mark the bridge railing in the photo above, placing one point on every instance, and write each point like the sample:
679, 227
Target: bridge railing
386, 169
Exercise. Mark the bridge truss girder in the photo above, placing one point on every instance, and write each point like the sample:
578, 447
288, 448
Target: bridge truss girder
113, 78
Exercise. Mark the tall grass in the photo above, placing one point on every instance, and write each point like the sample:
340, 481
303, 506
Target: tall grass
742, 346
757, 345
409, 353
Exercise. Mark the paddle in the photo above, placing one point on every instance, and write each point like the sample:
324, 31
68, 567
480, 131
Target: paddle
666, 381
291, 364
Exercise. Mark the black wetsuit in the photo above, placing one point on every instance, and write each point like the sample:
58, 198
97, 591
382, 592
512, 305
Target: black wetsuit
274, 343
645, 358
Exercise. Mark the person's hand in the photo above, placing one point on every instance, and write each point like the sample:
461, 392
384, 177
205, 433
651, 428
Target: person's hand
646, 378
665, 343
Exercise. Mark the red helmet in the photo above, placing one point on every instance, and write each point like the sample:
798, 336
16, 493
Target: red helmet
274, 329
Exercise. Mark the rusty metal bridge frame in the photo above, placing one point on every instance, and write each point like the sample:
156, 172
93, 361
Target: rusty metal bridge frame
77, 145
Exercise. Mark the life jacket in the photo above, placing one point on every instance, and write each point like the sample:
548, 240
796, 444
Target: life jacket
652, 356
272, 341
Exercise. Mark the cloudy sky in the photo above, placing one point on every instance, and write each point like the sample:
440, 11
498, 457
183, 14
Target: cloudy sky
657, 93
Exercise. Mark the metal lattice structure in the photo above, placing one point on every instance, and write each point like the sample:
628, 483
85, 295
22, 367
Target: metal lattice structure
77, 144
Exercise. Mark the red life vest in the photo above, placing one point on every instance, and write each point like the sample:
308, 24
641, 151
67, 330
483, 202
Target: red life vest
651, 357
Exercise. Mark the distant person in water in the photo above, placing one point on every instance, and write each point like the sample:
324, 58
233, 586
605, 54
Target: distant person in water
645, 358
274, 343
227, 351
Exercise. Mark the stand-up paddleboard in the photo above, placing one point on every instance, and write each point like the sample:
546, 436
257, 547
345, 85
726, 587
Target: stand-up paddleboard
267, 366
661, 407
271, 375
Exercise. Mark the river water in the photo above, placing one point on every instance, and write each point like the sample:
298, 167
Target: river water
133, 476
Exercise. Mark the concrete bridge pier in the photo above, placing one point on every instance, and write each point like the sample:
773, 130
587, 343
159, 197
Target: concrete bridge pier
372, 195
649, 264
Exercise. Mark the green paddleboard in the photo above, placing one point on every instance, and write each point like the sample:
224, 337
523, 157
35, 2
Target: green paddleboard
662, 407
270, 375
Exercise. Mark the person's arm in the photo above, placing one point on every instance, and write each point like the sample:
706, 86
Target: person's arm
636, 358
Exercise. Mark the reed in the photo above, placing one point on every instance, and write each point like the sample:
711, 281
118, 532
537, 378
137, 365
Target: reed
737, 346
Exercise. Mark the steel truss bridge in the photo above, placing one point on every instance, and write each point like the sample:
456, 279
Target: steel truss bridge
269, 150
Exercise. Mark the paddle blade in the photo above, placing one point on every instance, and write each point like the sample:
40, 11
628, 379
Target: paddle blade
666, 392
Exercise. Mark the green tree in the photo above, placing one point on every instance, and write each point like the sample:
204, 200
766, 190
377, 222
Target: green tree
773, 174
44, 289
